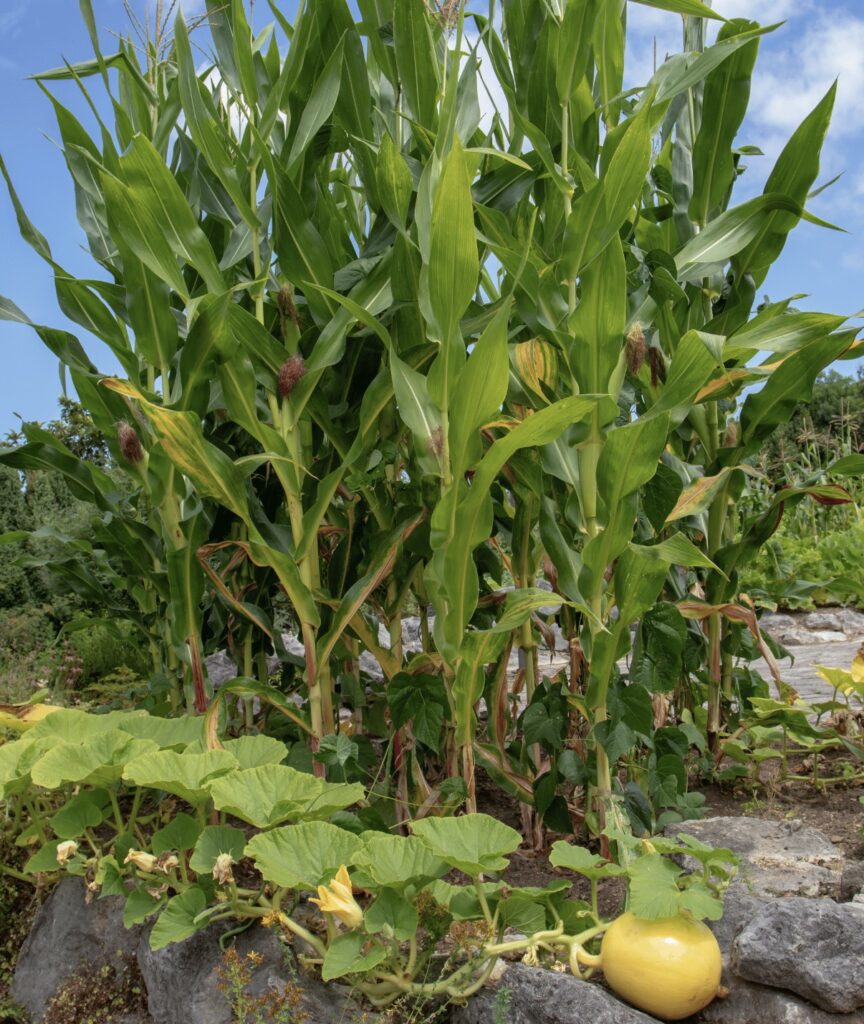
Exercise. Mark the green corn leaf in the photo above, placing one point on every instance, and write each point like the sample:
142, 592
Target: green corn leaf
574, 46
599, 213
380, 564
416, 62
394, 181
453, 566
730, 234
790, 384
724, 104
796, 170
320, 105
180, 435
608, 39
675, 550
449, 280
207, 133
600, 321
145, 173
130, 213
695, 8
244, 59
478, 650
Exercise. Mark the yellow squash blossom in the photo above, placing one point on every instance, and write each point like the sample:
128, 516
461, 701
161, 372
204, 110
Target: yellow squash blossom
65, 851
142, 860
338, 898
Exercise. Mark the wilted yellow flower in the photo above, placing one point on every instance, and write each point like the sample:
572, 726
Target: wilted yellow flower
65, 851
338, 898
142, 860
166, 862
222, 869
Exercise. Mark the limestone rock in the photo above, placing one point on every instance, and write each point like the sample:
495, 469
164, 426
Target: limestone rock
182, 979
814, 948
220, 668
748, 1003
531, 995
852, 882
67, 933
778, 858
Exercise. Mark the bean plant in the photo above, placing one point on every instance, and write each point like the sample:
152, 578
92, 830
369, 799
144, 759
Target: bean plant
391, 350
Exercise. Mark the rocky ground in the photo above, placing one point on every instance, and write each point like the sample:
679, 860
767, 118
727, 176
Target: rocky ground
792, 938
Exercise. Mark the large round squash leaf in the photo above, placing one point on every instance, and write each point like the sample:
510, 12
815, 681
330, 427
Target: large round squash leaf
303, 856
271, 794
474, 843
184, 775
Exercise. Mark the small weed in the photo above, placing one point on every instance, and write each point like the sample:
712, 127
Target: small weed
271, 1007
502, 1005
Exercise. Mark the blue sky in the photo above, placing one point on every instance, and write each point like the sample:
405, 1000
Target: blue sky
821, 40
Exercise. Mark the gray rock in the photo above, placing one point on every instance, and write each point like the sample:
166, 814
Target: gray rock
531, 995
814, 948
852, 881
182, 979
853, 622
778, 858
823, 620
739, 909
67, 933
220, 668
748, 1003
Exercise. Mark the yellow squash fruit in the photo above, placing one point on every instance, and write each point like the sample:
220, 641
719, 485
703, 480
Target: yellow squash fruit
669, 968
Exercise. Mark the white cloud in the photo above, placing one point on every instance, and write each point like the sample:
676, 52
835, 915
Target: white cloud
191, 8
769, 11
788, 83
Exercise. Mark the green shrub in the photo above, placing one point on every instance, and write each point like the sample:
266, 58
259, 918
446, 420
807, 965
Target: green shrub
24, 631
103, 650
802, 572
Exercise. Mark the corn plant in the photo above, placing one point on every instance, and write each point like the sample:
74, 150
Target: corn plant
382, 351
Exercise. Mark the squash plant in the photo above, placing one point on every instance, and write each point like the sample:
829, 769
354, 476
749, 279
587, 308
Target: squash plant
105, 792
382, 353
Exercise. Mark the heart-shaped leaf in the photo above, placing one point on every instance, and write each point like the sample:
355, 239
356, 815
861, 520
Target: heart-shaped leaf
95, 761
302, 856
398, 861
177, 920
250, 751
267, 795
184, 775
474, 843
213, 842
345, 956
577, 858
181, 833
